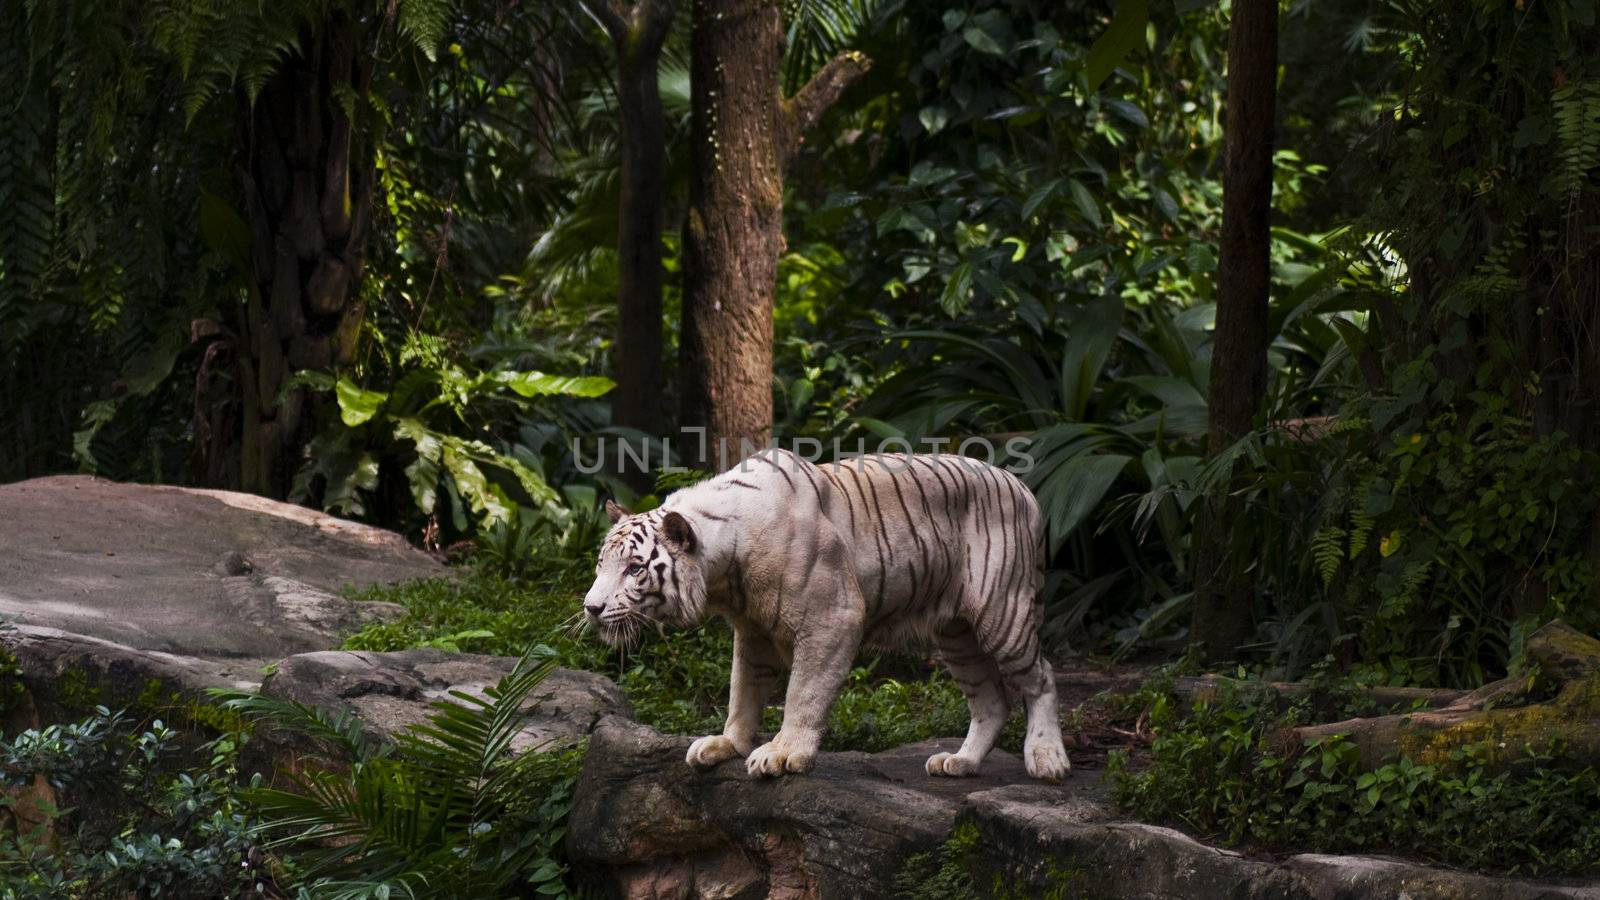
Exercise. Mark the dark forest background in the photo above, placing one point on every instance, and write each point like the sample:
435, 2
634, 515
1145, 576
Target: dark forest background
411, 261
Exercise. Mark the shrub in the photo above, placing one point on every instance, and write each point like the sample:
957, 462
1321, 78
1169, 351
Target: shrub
1217, 772
143, 826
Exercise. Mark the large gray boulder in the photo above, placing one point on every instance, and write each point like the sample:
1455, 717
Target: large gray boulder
874, 825
212, 575
145, 596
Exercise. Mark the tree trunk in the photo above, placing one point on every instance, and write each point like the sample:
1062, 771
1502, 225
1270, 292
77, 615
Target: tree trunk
1224, 581
743, 133
307, 178
637, 33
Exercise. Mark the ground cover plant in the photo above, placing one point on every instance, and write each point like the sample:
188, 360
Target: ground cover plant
1221, 769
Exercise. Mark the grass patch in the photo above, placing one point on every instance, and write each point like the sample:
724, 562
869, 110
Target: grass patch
677, 683
1216, 771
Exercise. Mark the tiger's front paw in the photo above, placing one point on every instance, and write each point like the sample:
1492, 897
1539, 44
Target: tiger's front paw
952, 765
782, 754
707, 752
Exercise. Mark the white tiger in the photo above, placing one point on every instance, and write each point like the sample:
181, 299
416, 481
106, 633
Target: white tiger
811, 563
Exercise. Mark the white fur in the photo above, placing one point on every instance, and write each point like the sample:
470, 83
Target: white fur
810, 564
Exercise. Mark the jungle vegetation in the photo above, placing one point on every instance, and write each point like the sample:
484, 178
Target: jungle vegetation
1294, 302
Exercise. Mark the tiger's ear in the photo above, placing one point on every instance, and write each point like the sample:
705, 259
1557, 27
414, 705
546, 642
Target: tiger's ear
678, 531
616, 512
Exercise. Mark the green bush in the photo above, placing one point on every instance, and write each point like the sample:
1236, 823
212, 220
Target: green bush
136, 821
1217, 772
1463, 523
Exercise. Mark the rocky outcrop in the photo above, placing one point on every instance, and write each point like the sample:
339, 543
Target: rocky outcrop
389, 691
232, 581
1085, 850
143, 597
649, 826
874, 825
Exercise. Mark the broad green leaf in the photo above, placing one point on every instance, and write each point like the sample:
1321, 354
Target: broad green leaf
423, 473
357, 406
1027, 383
1084, 201
485, 498
537, 384
1070, 493
1039, 197
95, 417
1093, 333
957, 291
225, 232
1128, 112
1169, 390
1123, 35
982, 41
881, 429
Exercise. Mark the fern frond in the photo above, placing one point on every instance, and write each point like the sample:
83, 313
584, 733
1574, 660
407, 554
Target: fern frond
1577, 114
422, 22
338, 728
28, 227
1360, 530
415, 813
1327, 551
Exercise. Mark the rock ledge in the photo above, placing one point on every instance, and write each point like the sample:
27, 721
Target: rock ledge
646, 826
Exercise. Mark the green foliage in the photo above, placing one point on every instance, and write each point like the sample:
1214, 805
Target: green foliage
413, 426
222, 44
816, 30
875, 713
143, 824
1424, 541
1575, 106
942, 874
677, 683
1218, 771
956, 869
1042, 270
448, 810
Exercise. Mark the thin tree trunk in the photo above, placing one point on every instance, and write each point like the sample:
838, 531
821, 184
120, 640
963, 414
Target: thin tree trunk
743, 134
307, 178
1224, 581
637, 34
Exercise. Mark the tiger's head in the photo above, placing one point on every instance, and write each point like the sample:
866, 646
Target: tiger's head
648, 574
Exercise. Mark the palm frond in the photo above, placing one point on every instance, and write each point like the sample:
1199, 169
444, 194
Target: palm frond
818, 30
418, 814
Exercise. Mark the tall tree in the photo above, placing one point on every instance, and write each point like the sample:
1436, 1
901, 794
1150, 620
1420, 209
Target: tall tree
1224, 582
637, 32
743, 133
307, 176
302, 78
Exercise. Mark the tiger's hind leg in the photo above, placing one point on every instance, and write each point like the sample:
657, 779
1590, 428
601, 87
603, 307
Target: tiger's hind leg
1043, 751
1016, 654
980, 681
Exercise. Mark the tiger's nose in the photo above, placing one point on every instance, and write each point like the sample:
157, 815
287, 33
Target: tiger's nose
594, 609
